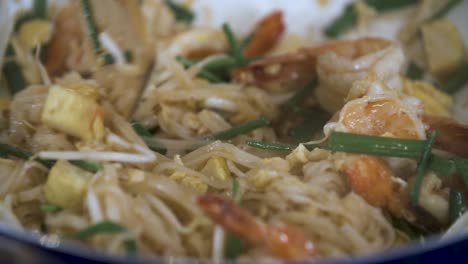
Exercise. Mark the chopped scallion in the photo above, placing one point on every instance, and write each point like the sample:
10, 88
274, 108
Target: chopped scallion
50, 208
147, 137
180, 12
457, 205
421, 169
91, 26
12, 72
445, 9
375, 145
130, 246
13, 151
203, 73
40, 8
411, 230
350, 16
241, 129
87, 165
233, 243
235, 48
154, 145
140, 129
104, 227
270, 146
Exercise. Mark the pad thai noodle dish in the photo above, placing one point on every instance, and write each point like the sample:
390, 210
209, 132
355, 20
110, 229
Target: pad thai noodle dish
129, 128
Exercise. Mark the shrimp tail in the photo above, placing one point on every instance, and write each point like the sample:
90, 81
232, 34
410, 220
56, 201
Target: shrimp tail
283, 241
235, 219
451, 135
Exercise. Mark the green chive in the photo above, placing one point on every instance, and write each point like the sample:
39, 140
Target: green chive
457, 205
50, 208
442, 166
12, 72
375, 145
233, 243
414, 72
246, 41
154, 145
225, 62
445, 9
140, 129
235, 190
413, 231
462, 168
241, 129
104, 227
457, 80
203, 73
385, 5
349, 17
108, 58
13, 151
87, 165
181, 13
91, 26
130, 246
235, 48
343, 23
40, 8
421, 169
147, 137
270, 146
128, 55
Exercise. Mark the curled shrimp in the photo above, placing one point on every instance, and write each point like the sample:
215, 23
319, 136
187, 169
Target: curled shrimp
378, 110
303, 63
68, 35
451, 135
266, 35
371, 178
283, 241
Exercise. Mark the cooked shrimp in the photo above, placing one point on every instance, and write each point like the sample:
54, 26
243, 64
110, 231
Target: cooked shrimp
68, 44
379, 111
349, 57
281, 240
451, 135
266, 35
371, 178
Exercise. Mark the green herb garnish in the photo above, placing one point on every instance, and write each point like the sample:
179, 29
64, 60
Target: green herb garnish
13, 151
50, 208
104, 227
241, 129
421, 169
180, 12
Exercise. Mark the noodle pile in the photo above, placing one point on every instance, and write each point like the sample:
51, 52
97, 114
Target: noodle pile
153, 195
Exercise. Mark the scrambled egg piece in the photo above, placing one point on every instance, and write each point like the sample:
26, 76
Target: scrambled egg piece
66, 184
268, 171
35, 32
189, 181
216, 167
73, 113
444, 47
435, 101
